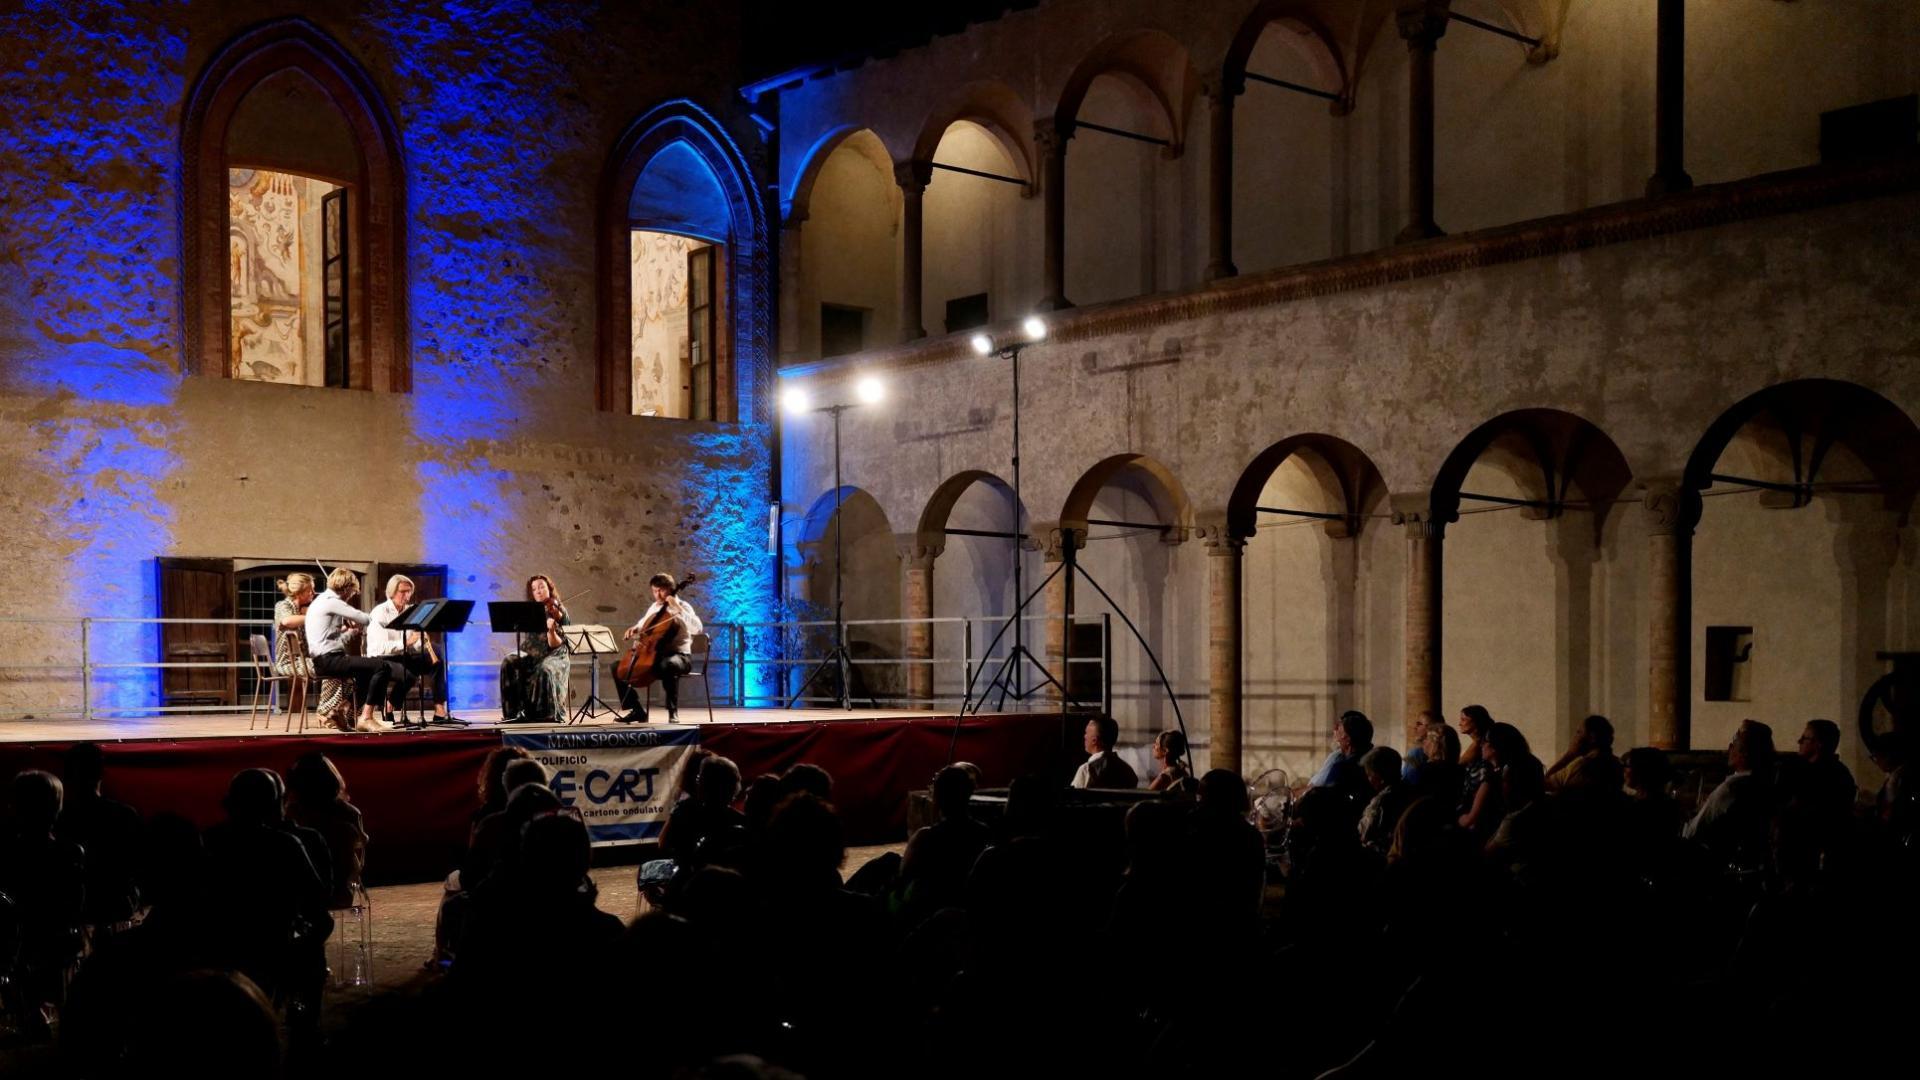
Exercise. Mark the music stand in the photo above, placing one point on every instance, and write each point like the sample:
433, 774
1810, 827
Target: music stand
439, 615
595, 641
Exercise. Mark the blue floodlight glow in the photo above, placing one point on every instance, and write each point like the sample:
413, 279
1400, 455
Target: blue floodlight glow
88, 320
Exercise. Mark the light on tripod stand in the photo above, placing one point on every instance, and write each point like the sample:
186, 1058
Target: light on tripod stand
1033, 330
867, 390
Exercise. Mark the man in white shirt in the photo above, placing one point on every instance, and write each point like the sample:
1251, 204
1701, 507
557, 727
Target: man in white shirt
1734, 822
674, 656
1104, 769
410, 653
331, 619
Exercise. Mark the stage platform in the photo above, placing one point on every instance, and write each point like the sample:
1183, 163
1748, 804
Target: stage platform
418, 788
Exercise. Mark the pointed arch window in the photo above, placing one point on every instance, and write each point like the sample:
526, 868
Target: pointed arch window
681, 296
291, 193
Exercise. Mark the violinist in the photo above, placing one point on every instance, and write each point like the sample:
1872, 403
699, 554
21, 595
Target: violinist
410, 652
675, 655
533, 681
331, 622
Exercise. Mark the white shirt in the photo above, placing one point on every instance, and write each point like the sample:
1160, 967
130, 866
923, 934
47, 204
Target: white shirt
382, 641
1084, 774
687, 618
327, 619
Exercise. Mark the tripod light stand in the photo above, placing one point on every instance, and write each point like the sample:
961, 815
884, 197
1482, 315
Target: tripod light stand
796, 402
1007, 680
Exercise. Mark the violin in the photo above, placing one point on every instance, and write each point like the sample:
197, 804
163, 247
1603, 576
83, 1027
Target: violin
635, 668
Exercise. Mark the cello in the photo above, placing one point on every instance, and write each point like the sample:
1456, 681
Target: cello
635, 666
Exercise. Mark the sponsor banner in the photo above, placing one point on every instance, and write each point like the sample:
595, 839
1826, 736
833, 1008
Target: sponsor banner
624, 782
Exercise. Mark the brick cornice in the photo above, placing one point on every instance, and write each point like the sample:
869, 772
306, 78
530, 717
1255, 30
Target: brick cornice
1639, 219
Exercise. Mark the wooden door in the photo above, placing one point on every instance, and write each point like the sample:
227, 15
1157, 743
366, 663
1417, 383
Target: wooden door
197, 589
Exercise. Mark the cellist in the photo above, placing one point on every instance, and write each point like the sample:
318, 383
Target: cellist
674, 657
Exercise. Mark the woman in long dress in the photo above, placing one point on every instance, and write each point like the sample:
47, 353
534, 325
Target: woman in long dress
533, 681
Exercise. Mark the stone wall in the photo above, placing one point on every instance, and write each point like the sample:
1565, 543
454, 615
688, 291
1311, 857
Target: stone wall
496, 464
1649, 340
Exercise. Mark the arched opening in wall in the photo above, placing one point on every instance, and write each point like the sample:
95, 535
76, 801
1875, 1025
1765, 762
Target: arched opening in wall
1135, 516
1290, 165
978, 528
293, 217
849, 291
1802, 564
679, 222
682, 234
976, 266
1526, 582
869, 584
1310, 571
1126, 108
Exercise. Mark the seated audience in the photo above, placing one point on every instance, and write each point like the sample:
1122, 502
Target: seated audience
109, 833
1734, 823
1588, 766
1170, 751
1352, 738
319, 802
43, 881
933, 873
1391, 797
706, 820
1103, 768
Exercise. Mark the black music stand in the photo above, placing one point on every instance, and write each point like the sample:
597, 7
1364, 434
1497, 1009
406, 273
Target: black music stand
596, 642
437, 616
518, 617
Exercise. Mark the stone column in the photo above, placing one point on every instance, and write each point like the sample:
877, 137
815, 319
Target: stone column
1672, 509
1220, 179
1866, 548
1340, 575
913, 177
1422, 25
1225, 646
1571, 545
1059, 601
1670, 101
916, 556
1426, 528
1052, 143
791, 267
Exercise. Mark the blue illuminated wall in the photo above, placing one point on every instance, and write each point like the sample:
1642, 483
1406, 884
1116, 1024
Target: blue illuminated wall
88, 322
505, 112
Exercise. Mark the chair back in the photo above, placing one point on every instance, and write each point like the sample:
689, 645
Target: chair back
702, 647
261, 654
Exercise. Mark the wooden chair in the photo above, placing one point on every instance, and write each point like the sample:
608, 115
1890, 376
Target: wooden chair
702, 652
264, 679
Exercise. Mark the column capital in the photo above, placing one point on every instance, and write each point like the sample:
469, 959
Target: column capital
913, 176
1058, 538
1051, 135
1222, 545
1223, 90
1671, 506
918, 550
1417, 513
1422, 23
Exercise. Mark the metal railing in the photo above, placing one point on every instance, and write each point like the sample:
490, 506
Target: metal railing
786, 649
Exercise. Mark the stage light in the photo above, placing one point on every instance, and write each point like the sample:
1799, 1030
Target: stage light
1036, 328
869, 390
795, 401
982, 344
